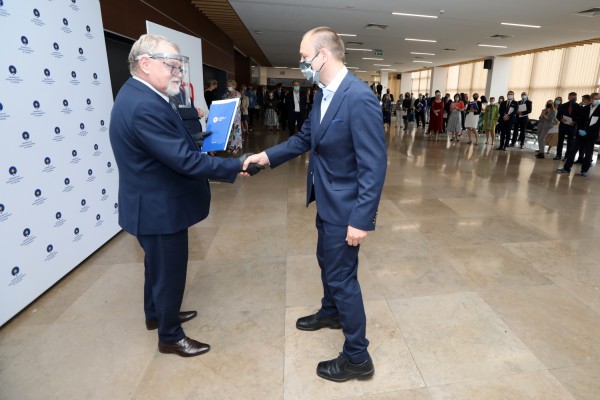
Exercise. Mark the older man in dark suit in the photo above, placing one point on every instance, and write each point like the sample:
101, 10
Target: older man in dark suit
163, 184
346, 172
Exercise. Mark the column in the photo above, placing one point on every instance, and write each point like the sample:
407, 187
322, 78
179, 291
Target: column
498, 76
439, 79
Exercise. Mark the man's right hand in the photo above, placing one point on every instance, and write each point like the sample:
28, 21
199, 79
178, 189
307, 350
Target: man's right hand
260, 159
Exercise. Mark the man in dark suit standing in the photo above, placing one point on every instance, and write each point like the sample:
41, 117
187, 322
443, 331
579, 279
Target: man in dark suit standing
279, 94
588, 127
261, 95
163, 184
295, 103
346, 172
523, 111
567, 126
507, 116
379, 90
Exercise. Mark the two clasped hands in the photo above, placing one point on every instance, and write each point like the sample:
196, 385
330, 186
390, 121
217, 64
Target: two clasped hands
252, 164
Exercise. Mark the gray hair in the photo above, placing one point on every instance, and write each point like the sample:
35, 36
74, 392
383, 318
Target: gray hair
144, 45
326, 38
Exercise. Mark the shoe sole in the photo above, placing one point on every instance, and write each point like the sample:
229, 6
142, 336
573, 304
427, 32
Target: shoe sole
362, 377
183, 355
316, 329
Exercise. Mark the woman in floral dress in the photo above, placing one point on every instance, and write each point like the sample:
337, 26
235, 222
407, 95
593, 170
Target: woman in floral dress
235, 138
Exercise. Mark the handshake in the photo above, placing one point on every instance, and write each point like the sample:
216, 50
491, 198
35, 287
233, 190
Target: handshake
251, 164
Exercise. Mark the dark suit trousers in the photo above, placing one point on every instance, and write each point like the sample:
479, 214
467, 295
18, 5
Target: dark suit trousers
505, 128
585, 146
421, 117
292, 119
520, 127
165, 263
564, 131
342, 295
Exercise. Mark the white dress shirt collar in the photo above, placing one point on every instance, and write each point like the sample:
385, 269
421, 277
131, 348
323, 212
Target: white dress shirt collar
151, 87
335, 83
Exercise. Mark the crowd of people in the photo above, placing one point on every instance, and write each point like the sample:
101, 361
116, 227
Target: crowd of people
508, 119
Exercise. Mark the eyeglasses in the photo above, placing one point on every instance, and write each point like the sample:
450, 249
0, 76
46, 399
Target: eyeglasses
175, 71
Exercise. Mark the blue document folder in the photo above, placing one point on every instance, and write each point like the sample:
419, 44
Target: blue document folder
220, 121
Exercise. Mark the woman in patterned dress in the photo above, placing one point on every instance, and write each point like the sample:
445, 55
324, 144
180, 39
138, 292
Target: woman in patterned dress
235, 138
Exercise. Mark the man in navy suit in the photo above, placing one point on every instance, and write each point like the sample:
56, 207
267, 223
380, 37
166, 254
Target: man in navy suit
295, 102
507, 117
163, 184
344, 134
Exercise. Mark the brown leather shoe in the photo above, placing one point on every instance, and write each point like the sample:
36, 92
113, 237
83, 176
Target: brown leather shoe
152, 324
186, 347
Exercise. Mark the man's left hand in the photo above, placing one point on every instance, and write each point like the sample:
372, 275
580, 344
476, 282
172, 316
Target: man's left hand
354, 237
200, 112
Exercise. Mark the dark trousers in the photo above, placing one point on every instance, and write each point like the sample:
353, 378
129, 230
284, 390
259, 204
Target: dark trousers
505, 128
520, 127
165, 266
342, 295
250, 117
420, 117
292, 119
564, 132
581, 144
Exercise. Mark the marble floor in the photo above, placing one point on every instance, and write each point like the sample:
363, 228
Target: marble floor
481, 282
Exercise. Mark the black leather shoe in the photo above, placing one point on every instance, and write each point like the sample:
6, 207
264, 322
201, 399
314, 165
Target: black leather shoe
152, 324
556, 158
186, 347
578, 162
341, 370
315, 322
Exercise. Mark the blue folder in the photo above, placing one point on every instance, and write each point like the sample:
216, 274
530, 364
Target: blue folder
220, 120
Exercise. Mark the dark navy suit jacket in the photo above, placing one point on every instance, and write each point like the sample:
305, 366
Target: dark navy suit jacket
163, 177
348, 157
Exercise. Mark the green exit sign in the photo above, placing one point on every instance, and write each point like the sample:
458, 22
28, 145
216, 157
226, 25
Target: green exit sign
378, 52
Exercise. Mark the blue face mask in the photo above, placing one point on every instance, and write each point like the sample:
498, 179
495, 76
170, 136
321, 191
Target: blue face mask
296, 88
557, 102
596, 102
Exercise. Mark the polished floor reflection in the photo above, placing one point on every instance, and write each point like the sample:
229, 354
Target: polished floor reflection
481, 282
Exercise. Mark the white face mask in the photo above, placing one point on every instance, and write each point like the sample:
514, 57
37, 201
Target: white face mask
229, 88
510, 97
307, 70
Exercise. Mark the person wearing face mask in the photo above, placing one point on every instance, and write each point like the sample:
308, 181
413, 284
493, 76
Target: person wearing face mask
523, 111
567, 115
447, 101
407, 109
455, 119
546, 122
507, 118
295, 103
386, 108
436, 119
588, 128
490, 118
346, 171
235, 138
279, 94
473, 110
271, 106
420, 106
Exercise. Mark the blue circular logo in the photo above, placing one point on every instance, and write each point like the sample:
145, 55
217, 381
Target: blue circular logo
82, 126
65, 22
46, 72
12, 69
109, 164
24, 40
12, 170
103, 191
56, 46
74, 153
80, 51
88, 101
58, 215
90, 172
101, 121
73, 74
97, 217
67, 181
1, 107
57, 130
76, 231
26, 232
1, 3
49, 248
36, 104
83, 202
87, 28
15, 270
47, 161
73, 1
95, 147
95, 76
65, 103
1, 208
38, 192
25, 135
36, 12
116, 205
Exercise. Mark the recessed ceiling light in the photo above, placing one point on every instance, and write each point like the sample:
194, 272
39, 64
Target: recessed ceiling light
425, 62
355, 49
387, 69
421, 40
521, 25
295, 68
360, 70
414, 15
371, 58
382, 65
424, 54
492, 45
279, 67
352, 67
346, 34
